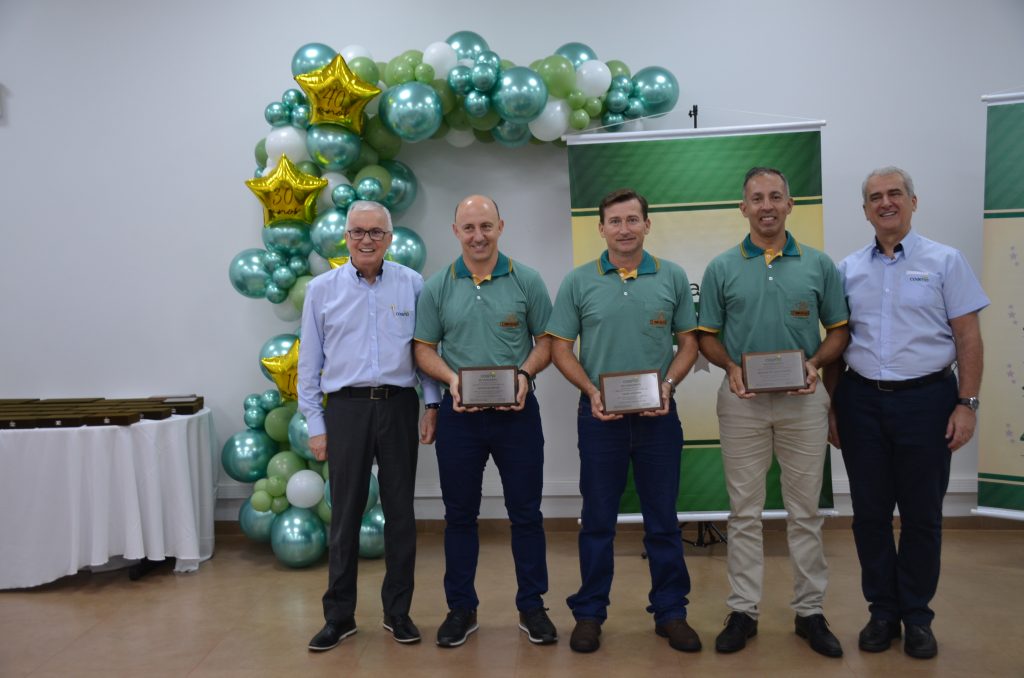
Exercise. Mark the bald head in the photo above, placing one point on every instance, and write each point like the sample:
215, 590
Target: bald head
478, 227
477, 201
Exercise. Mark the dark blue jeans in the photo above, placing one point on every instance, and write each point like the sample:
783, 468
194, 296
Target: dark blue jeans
516, 443
896, 454
654, 445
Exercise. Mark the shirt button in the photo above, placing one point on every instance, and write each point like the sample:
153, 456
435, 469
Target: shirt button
770, 278
478, 296
625, 294
769, 265
478, 287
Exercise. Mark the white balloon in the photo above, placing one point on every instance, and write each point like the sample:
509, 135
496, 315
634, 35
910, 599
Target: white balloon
459, 138
317, 265
553, 120
469, 63
593, 78
632, 126
442, 57
286, 310
353, 51
305, 489
289, 141
324, 201
373, 108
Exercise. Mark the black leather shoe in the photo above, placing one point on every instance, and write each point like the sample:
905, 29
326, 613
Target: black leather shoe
878, 635
538, 626
920, 642
402, 628
331, 634
456, 628
738, 627
681, 635
815, 629
586, 637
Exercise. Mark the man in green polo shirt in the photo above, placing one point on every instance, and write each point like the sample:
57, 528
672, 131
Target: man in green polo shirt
486, 310
772, 293
626, 308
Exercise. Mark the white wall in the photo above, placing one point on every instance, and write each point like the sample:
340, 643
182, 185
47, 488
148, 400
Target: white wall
127, 128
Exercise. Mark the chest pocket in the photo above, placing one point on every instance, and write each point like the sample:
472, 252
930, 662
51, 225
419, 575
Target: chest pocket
510, 319
921, 289
657, 320
801, 310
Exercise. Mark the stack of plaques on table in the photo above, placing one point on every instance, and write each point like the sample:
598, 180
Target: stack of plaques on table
16, 413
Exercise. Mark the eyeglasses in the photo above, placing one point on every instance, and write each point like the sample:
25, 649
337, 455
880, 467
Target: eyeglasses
375, 234
632, 221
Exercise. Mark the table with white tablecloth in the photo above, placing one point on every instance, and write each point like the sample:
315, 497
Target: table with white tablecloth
72, 498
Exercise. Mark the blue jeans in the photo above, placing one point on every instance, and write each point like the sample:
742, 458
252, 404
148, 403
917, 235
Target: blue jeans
654, 445
516, 442
896, 454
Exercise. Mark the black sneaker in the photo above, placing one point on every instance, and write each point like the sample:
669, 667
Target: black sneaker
456, 628
538, 626
331, 634
402, 628
586, 637
738, 627
815, 629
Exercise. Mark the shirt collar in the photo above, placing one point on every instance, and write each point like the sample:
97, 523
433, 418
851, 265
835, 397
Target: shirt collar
501, 267
648, 265
356, 275
791, 249
906, 245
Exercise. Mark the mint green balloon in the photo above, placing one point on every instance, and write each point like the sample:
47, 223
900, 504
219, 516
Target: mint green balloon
254, 417
285, 464
411, 110
298, 537
373, 495
375, 172
371, 534
278, 345
511, 134
246, 455
298, 436
271, 398
384, 141
576, 53
404, 186
288, 238
297, 294
260, 500
328, 232
248, 273
332, 146
366, 69
520, 95
657, 88
407, 249
558, 74
310, 57
467, 44
276, 424
256, 524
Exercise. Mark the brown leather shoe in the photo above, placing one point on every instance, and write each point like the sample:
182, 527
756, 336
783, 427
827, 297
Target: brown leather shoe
586, 637
680, 635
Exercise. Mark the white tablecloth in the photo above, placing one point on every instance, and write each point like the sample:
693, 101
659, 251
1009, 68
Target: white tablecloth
74, 498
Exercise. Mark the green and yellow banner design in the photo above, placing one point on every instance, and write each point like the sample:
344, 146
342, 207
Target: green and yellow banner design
1001, 417
693, 181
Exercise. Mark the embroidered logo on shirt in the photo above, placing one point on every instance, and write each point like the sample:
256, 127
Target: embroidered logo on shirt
400, 314
510, 321
659, 321
802, 310
917, 276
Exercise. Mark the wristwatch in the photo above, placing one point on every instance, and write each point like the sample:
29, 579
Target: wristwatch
971, 402
529, 377
671, 383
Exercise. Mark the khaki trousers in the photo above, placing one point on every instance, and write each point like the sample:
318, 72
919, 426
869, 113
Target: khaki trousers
796, 428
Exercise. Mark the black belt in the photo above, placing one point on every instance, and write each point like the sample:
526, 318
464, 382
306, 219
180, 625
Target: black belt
906, 383
371, 392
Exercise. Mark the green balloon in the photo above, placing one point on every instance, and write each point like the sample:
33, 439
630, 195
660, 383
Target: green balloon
579, 119
276, 486
483, 136
413, 57
576, 100
558, 74
297, 294
593, 107
424, 73
375, 172
261, 152
260, 484
285, 465
325, 472
309, 167
314, 465
618, 68
260, 500
279, 504
445, 94
486, 122
506, 64
399, 72
366, 69
367, 156
457, 119
276, 424
441, 131
323, 511
384, 141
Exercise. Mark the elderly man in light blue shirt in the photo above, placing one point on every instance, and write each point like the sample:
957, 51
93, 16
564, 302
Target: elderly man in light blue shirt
357, 329
901, 410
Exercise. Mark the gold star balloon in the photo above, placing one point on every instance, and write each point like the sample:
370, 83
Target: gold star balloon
337, 262
284, 370
336, 94
287, 194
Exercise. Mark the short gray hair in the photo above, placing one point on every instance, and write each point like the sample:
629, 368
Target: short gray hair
371, 206
884, 172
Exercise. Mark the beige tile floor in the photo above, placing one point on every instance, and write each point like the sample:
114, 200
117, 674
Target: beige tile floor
244, 614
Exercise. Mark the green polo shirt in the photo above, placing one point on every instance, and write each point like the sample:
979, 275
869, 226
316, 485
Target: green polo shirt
756, 305
623, 325
490, 323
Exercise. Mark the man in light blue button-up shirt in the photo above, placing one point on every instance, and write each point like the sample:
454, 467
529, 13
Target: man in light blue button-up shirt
357, 329
899, 411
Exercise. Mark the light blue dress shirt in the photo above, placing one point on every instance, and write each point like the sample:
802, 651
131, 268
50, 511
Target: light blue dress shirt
900, 308
358, 334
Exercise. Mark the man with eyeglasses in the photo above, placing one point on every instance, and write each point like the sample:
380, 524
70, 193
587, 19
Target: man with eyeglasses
626, 308
770, 294
486, 310
899, 410
357, 328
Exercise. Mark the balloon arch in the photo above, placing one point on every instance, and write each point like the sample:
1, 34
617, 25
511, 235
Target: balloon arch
336, 139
